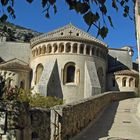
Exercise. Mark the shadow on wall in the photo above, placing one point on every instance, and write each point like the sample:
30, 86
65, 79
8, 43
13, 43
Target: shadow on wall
102, 126
115, 65
54, 85
114, 83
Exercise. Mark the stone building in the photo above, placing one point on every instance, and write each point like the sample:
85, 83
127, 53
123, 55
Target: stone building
70, 64
121, 74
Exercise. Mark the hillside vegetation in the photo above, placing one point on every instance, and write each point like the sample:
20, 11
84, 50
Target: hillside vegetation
16, 33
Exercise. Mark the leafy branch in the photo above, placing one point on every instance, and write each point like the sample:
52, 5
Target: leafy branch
86, 8
17, 102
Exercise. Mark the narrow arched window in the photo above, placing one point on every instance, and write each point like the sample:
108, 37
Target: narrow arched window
124, 82
81, 48
68, 47
131, 82
55, 47
43, 49
69, 73
39, 70
49, 48
75, 48
61, 47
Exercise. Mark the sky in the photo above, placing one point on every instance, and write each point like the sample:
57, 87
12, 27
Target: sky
31, 16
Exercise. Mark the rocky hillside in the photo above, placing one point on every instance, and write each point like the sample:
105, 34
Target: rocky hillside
16, 33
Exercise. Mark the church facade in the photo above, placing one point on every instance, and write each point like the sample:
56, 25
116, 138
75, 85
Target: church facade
70, 64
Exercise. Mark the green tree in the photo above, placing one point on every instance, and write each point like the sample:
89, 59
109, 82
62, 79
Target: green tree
86, 8
17, 102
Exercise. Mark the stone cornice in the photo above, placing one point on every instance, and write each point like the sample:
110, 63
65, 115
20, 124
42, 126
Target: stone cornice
68, 38
51, 36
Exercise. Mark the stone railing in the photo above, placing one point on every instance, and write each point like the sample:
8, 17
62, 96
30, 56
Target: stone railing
65, 121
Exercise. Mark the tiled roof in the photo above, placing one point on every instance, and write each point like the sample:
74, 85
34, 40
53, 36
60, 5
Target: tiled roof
127, 72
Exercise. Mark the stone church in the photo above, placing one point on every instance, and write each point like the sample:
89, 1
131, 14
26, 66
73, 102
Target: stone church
68, 63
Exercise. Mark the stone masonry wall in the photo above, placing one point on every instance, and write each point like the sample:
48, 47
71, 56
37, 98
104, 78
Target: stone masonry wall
40, 124
76, 116
65, 121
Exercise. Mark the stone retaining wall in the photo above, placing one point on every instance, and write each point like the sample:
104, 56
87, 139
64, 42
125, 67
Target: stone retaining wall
74, 117
40, 124
65, 121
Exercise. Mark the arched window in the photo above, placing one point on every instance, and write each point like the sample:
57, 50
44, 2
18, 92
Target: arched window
68, 47
75, 48
39, 70
81, 48
49, 48
131, 82
55, 47
69, 73
88, 50
43, 49
124, 82
61, 47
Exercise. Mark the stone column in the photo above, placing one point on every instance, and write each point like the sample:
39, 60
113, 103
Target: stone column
65, 47
85, 49
127, 82
71, 47
78, 48
90, 51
